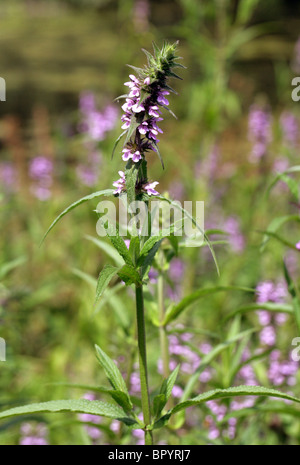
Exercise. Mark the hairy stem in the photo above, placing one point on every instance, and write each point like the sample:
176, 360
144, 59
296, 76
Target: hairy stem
143, 361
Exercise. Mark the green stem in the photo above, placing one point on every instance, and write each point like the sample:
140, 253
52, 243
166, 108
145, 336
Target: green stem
143, 361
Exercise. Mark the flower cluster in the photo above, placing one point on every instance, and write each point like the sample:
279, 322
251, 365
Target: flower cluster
142, 113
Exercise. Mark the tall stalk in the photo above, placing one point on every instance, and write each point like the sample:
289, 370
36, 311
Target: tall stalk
141, 333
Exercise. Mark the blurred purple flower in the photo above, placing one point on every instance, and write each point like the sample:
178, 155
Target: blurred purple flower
34, 435
88, 173
95, 124
296, 58
93, 432
41, 172
290, 128
8, 176
141, 12
259, 131
236, 238
267, 336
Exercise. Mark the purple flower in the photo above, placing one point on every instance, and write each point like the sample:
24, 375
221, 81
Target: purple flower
150, 188
120, 184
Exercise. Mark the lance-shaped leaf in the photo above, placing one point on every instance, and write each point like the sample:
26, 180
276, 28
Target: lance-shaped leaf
195, 223
293, 169
107, 248
159, 154
175, 310
111, 370
117, 242
94, 407
293, 292
129, 275
118, 139
131, 173
104, 279
162, 398
257, 391
270, 307
275, 225
106, 193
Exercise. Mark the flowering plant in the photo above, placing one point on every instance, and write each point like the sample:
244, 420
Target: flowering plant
148, 91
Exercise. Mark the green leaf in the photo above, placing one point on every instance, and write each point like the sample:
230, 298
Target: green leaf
129, 275
279, 238
272, 407
85, 277
275, 225
104, 279
119, 138
101, 389
134, 249
108, 249
117, 242
122, 399
105, 193
132, 128
270, 307
159, 155
293, 292
208, 358
112, 371
176, 309
159, 402
293, 169
131, 176
94, 407
225, 393
246, 9
168, 384
175, 204
7, 267
292, 185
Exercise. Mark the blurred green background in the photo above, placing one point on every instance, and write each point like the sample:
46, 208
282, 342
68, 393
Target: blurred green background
238, 53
